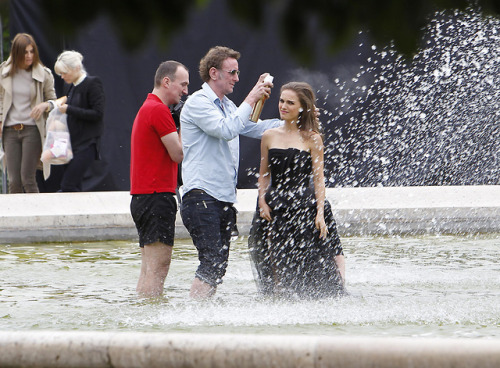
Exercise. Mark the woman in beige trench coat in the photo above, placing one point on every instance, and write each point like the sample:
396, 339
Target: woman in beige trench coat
26, 96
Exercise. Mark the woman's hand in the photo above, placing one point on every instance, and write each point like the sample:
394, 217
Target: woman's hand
321, 226
264, 210
39, 109
63, 108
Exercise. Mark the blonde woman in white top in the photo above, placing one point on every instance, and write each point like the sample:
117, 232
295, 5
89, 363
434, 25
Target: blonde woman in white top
26, 96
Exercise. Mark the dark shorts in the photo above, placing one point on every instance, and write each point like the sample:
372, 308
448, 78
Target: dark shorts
154, 217
210, 223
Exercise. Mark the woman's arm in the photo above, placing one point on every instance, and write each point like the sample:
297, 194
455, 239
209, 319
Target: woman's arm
48, 98
264, 176
95, 100
49, 93
317, 155
2, 93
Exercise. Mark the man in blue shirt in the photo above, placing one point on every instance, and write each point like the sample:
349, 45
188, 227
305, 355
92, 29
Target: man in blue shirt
210, 128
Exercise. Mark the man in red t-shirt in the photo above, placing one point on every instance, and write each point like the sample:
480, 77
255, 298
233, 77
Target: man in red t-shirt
156, 150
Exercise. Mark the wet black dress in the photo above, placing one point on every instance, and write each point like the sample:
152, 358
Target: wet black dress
288, 257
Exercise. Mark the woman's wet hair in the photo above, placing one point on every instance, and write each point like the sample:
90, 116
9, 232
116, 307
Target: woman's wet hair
307, 118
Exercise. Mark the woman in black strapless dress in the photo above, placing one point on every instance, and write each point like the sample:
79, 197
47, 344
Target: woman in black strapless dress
294, 245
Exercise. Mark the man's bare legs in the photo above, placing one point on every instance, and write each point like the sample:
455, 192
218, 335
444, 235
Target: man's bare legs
155, 264
201, 290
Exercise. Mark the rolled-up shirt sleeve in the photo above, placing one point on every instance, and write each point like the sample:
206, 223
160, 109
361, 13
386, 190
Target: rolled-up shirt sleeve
206, 115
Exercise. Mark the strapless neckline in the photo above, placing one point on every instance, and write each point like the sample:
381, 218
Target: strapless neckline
289, 149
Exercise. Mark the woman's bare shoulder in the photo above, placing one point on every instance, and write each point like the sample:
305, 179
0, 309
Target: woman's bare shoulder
315, 141
312, 136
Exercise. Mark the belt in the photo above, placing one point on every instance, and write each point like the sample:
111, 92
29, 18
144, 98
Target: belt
197, 191
17, 127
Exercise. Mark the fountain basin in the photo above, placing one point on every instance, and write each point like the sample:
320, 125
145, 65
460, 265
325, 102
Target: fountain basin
438, 303
358, 211
111, 349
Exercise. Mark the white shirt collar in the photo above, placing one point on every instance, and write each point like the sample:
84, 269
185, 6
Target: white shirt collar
80, 80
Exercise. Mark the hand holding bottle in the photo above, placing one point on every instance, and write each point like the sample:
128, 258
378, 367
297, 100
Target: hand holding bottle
259, 93
257, 109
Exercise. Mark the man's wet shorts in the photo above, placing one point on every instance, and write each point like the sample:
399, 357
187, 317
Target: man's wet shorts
154, 216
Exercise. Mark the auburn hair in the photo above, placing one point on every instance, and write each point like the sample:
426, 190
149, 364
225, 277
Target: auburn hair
18, 50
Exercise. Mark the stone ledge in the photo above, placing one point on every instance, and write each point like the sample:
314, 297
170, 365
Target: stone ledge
129, 349
93, 216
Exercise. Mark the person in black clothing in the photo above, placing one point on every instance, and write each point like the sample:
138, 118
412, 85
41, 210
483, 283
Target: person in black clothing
85, 111
294, 244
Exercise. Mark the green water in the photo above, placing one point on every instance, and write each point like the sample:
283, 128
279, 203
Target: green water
429, 286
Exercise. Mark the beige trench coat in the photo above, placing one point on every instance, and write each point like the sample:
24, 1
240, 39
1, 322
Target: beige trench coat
42, 90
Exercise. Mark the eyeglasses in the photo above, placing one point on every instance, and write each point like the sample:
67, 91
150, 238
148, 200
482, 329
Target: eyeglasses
233, 72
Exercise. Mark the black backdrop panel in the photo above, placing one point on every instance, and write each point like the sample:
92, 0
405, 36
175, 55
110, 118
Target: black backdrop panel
360, 91
128, 75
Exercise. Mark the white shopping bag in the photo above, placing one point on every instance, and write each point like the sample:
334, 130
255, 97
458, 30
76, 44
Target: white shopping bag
57, 146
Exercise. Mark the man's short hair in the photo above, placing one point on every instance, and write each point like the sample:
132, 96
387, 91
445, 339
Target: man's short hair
167, 69
214, 59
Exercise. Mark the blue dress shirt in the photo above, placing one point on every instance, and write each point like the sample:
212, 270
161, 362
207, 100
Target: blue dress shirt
210, 130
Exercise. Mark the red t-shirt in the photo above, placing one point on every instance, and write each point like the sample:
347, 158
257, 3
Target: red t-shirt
151, 168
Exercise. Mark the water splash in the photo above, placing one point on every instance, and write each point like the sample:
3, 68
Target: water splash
433, 120
431, 286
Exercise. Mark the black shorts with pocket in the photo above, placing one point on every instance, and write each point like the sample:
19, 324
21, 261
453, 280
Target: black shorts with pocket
154, 216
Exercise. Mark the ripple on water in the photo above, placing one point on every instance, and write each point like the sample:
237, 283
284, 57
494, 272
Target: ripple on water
417, 286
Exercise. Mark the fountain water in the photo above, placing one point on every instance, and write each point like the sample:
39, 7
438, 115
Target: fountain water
426, 286
74, 305
432, 120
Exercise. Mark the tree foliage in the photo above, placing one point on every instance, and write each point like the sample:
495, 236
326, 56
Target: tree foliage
396, 22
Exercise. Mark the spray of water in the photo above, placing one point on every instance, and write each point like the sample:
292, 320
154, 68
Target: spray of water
432, 120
